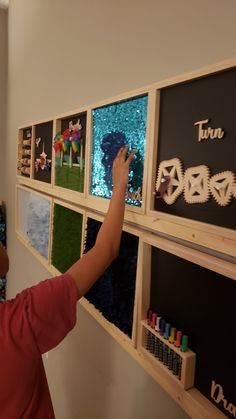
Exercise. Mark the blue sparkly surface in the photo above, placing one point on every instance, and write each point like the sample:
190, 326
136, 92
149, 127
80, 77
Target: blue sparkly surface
114, 126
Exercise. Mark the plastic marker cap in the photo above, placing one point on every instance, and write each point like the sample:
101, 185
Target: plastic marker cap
158, 323
178, 339
167, 331
172, 335
149, 316
153, 321
162, 327
184, 345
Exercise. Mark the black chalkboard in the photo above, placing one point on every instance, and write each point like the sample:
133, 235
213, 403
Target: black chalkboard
43, 131
211, 97
201, 303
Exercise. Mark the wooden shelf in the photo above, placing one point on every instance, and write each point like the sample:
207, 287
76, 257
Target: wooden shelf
207, 245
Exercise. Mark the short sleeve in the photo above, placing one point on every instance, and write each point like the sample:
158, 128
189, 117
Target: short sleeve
51, 310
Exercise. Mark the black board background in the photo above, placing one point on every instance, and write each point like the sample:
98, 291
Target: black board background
201, 303
74, 118
211, 97
44, 131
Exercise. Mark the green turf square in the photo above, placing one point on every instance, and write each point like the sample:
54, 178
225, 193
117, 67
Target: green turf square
67, 237
70, 178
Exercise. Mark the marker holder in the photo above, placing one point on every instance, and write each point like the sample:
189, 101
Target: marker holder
180, 365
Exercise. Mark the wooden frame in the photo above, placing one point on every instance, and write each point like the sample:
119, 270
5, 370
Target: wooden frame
96, 202
200, 241
24, 159
218, 238
58, 124
74, 208
23, 238
97, 315
159, 372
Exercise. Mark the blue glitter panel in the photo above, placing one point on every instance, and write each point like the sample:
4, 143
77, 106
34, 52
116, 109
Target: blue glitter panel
114, 126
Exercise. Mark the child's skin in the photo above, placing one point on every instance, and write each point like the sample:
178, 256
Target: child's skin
91, 265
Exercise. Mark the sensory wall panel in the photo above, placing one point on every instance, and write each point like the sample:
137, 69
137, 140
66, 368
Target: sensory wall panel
196, 149
200, 303
34, 220
67, 236
114, 126
69, 146
114, 292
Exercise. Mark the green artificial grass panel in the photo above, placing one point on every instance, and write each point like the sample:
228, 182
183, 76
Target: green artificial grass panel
67, 235
70, 178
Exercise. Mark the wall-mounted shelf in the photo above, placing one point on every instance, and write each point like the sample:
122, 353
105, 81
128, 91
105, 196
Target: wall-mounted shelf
184, 231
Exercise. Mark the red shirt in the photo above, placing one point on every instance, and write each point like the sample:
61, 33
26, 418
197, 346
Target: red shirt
31, 324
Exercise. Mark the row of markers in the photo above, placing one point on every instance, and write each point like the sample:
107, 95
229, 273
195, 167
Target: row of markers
163, 352
169, 333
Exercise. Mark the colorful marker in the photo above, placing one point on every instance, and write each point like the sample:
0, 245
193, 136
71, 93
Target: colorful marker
178, 339
172, 334
167, 331
158, 321
184, 344
153, 320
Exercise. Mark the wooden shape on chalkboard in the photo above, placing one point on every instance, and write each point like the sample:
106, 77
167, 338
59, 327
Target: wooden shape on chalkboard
221, 187
234, 190
173, 169
196, 181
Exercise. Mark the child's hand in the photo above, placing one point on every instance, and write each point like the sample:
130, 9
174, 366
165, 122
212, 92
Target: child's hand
120, 168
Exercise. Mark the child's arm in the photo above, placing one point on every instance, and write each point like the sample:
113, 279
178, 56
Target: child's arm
4, 262
91, 265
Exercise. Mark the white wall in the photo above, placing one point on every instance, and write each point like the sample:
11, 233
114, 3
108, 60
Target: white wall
66, 54
3, 92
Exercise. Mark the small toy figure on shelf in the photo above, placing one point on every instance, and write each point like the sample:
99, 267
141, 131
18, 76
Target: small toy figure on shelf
43, 163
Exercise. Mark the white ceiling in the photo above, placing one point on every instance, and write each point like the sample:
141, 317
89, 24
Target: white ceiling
4, 4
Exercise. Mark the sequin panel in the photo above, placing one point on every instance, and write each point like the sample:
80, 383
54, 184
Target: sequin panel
114, 126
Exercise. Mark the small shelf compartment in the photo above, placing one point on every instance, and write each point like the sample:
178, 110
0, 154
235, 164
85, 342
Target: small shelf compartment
24, 158
69, 151
67, 230
195, 293
114, 293
42, 150
34, 221
113, 126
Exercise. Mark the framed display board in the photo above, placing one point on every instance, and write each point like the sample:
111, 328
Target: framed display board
67, 233
196, 148
115, 125
42, 151
33, 220
193, 294
69, 151
24, 152
113, 294
182, 186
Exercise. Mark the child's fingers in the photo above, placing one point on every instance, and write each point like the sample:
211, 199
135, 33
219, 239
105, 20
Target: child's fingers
131, 156
122, 151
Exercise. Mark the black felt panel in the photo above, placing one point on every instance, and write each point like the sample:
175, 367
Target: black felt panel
113, 294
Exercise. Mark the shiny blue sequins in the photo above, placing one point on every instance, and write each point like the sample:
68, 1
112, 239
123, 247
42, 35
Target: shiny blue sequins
114, 126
